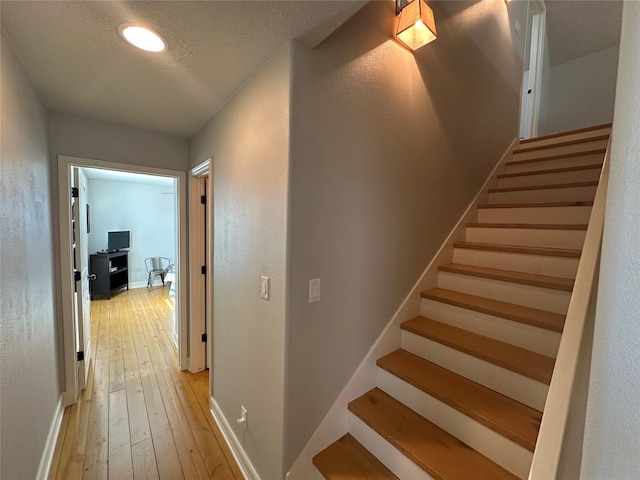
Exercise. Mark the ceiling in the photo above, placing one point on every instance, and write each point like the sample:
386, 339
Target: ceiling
79, 64
577, 27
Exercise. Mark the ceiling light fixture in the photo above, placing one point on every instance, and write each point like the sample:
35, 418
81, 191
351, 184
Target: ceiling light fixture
142, 38
416, 25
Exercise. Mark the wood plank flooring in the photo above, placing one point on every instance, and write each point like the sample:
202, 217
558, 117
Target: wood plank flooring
140, 417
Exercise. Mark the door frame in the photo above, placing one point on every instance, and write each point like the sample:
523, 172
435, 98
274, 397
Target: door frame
79, 180
531, 103
65, 162
201, 286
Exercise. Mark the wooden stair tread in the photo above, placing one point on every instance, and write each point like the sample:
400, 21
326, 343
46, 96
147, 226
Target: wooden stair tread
544, 281
441, 455
518, 313
533, 226
537, 204
525, 362
565, 133
510, 418
566, 143
596, 166
543, 187
496, 247
557, 157
347, 459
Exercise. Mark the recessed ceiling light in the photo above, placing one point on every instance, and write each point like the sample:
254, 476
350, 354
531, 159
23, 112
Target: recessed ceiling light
142, 38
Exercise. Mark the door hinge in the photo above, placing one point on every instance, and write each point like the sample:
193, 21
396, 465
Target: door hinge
74, 192
203, 269
80, 356
76, 275
204, 337
203, 199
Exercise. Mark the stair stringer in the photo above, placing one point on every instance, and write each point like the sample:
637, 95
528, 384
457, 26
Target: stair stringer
335, 423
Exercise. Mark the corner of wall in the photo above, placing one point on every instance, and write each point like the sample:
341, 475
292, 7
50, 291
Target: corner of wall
248, 138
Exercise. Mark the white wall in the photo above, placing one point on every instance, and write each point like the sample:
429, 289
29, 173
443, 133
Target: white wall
249, 142
28, 354
580, 92
387, 149
611, 444
142, 208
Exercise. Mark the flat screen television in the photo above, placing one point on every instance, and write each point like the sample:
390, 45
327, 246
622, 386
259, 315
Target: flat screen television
118, 240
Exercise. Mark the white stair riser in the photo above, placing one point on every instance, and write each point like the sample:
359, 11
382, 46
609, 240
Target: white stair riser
556, 301
519, 262
390, 456
561, 150
513, 385
527, 237
317, 475
568, 137
577, 161
591, 175
532, 338
571, 194
554, 215
492, 445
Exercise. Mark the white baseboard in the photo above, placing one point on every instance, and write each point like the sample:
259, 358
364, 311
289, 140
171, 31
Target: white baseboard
335, 423
50, 445
245, 465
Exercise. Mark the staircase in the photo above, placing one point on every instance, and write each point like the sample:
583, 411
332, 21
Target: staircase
463, 396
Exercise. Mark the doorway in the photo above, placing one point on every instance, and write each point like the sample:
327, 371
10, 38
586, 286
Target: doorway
533, 69
74, 329
201, 266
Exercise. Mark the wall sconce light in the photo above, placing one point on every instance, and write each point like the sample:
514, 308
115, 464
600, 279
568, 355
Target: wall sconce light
416, 24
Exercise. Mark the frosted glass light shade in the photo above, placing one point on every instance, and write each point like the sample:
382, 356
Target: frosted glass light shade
416, 25
142, 38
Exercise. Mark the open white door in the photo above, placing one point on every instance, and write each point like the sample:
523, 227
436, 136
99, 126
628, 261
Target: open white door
532, 88
200, 238
80, 229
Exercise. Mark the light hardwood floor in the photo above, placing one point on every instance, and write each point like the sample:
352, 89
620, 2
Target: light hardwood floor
140, 417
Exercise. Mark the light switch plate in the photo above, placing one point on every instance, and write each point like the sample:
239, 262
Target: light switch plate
264, 287
314, 290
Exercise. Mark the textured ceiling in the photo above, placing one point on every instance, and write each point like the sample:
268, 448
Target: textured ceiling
578, 27
79, 64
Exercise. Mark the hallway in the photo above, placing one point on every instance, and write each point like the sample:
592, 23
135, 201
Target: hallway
140, 417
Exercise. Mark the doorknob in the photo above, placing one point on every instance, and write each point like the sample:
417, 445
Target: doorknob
92, 276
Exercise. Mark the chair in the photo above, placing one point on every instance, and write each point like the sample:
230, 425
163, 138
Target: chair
156, 266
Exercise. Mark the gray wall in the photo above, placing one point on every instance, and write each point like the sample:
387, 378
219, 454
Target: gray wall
81, 137
28, 356
613, 418
387, 149
147, 210
249, 142
580, 93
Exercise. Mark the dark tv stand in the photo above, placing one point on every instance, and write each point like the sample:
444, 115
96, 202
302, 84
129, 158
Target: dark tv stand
111, 271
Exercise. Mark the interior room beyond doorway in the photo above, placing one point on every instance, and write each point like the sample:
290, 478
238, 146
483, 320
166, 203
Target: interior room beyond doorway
146, 204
